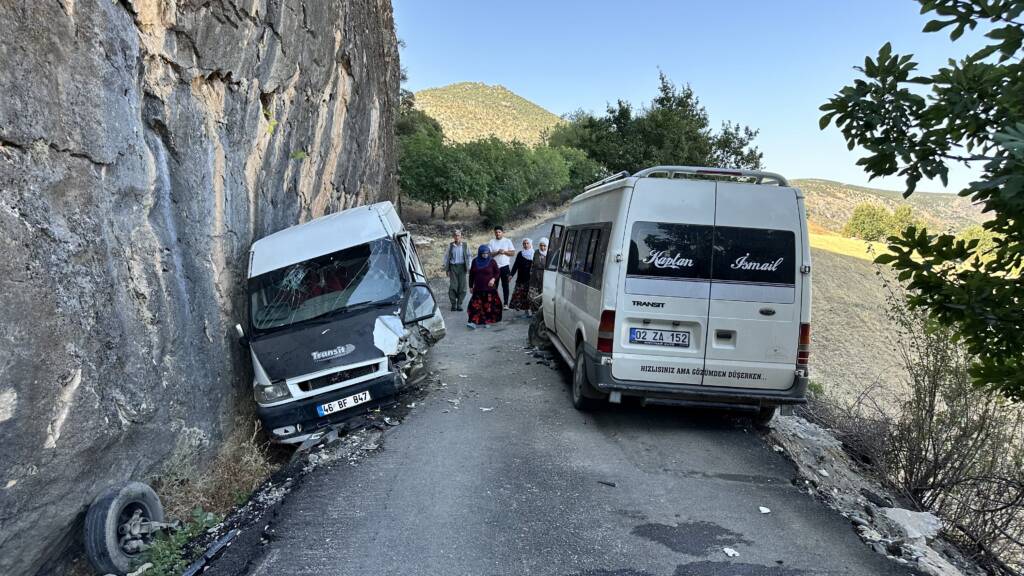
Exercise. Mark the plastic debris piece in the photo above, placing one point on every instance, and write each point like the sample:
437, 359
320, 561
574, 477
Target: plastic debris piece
482, 409
764, 510
730, 552
823, 473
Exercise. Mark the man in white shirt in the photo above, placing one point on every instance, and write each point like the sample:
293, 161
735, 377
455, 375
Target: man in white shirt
502, 249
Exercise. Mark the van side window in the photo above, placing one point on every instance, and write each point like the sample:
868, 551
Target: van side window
595, 241
567, 249
582, 250
555, 247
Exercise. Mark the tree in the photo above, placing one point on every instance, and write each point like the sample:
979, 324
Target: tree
673, 129
421, 168
583, 169
869, 221
971, 112
547, 174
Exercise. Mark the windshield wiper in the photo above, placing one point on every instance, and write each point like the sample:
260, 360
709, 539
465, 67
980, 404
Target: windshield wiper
327, 316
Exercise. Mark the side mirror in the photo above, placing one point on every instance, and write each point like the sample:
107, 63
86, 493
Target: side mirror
242, 339
419, 304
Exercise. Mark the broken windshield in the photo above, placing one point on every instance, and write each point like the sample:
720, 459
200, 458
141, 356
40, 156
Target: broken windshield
325, 285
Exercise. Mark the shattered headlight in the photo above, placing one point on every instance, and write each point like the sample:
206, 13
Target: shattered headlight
272, 393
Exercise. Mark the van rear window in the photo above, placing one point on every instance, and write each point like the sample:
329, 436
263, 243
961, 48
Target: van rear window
670, 251
754, 256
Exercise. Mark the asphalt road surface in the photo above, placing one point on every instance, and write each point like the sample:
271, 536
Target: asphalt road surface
495, 473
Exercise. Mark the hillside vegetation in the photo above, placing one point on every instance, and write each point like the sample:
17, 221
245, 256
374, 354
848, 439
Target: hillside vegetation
830, 205
470, 111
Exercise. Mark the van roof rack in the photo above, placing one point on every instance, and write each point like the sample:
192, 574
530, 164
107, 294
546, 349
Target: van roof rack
611, 178
757, 176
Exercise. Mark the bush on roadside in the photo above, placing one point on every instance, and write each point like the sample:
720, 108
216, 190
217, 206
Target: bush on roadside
874, 222
943, 443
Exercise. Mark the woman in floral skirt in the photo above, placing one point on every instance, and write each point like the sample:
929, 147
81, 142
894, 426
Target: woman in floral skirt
521, 270
485, 305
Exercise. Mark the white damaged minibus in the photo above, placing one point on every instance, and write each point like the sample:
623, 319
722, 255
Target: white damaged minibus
683, 286
340, 317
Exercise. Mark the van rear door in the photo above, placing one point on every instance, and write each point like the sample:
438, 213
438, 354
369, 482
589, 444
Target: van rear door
754, 312
662, 308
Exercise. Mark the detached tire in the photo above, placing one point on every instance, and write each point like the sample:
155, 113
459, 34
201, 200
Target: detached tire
106, 515
765, 415
584, 397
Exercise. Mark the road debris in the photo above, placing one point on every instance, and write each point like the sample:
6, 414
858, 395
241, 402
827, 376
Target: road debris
764, 510
822, 472
730, 552
607, 483
482, 409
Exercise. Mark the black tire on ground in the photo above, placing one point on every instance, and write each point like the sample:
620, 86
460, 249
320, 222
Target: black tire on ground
111, 509
764, 416
584, 397
538, 332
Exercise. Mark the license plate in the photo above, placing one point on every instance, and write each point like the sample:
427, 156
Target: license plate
343, 404
676, 338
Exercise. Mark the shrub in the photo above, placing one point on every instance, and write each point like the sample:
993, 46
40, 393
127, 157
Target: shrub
944, 443
873, 222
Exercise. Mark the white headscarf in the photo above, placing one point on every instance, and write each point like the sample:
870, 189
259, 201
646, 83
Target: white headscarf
528, 252
544, 242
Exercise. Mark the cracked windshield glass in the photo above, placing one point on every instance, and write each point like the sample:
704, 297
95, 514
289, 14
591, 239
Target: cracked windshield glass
323, 286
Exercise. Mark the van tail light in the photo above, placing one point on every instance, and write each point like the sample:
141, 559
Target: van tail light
803, 349
606, 331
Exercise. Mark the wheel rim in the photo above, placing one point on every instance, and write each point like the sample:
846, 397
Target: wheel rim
125, 520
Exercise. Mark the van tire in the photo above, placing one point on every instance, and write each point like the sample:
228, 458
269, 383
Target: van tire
105, 516
538, 332
584, 397
765, 415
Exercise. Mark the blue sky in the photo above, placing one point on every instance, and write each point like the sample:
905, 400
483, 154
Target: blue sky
766, 64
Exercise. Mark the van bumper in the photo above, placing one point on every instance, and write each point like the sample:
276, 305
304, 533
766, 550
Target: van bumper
600, 375
302, 418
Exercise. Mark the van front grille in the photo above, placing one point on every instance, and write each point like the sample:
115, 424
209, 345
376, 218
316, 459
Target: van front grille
336, 377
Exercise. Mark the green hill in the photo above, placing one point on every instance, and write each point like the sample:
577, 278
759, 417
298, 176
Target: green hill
471, 110
829, 205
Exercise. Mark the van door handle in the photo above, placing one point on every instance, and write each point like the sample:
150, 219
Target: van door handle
767, 311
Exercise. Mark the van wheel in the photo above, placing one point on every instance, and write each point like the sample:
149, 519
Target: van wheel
584, 396
765, 415
538, 332
111, 543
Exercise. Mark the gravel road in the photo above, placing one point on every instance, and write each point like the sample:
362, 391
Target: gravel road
493, 472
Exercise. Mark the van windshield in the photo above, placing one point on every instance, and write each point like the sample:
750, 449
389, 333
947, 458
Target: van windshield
325, 285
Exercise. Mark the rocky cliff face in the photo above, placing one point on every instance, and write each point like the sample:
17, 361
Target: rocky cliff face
143, 145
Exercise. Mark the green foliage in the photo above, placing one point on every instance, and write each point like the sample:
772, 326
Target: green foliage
299, 155
673, 129
868, 222
498, 177
168, 552
974, 114
471, 111
986, 240
583, 169
873, 222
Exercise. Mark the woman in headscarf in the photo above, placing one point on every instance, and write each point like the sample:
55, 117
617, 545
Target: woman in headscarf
540, 259
521, 270
485, 305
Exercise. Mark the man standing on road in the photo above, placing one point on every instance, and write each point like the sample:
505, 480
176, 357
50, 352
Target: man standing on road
456, 261
501, 249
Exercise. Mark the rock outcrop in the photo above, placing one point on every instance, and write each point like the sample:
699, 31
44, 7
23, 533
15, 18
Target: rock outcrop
143, 145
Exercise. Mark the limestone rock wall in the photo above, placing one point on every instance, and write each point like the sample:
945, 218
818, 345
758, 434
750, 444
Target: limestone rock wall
143, 145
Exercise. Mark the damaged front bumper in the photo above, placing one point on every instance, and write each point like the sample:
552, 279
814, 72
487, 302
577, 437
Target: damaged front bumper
297, 421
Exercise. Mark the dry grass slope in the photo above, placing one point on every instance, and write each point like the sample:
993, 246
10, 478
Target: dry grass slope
471, 110
829, 205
